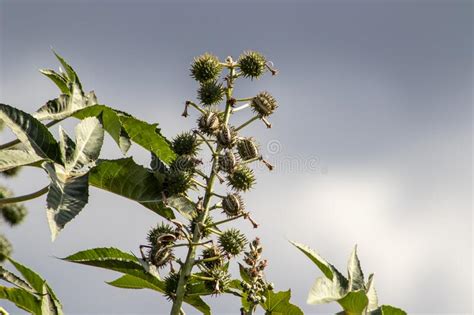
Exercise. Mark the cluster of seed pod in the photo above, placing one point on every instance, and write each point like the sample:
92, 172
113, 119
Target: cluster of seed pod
255, 266
231, 153
177, 178
159, 248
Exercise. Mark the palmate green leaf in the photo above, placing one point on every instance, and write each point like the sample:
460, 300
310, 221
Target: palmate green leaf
35, 284
243, 274
112, 259
183, 205
199, 304
12, 158
278, 303
147, 136
67, 196
354, 302
32, 278
132, 282
66, 104
22, 299
320, 262
136, 283
356, 276
371, 294
325, 291
387, 310
126, 178
32, 133
66, 146
58, 79
89, 139
111, 123
70, 74
10, 277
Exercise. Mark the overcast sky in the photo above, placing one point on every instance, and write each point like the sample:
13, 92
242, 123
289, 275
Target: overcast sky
372, 140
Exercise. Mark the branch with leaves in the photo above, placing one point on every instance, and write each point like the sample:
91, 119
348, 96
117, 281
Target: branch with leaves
175, 174
354, 294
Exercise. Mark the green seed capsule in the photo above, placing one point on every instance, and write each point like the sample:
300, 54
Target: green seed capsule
206, 68
232, 242
233, 205
264, 104
210, 93
247, 149
209, 123
14, 213
185, 144
241, 179
5, 248
227, 136
252, 64
177, 182
171, 285
227, 161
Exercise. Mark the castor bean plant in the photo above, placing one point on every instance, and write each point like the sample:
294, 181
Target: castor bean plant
195, 183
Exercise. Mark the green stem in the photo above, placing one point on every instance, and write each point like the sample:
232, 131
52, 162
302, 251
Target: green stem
186, 269
227, 220
248, 122
34, 195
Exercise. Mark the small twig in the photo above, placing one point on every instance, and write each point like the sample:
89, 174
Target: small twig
33, 195
248, 122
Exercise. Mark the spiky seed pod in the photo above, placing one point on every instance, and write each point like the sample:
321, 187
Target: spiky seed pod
227, 161
241, 179
177, 182
5, 192
232, 242
160, 256
210, 93
247, 149
211, 253
233, 205
209, 123
226, 137
171, 285
220, 279
185, 163
252, 64
205, 232
264, 104
185, 143
160, 234
206, 68
14, 213
11, 172
5, 248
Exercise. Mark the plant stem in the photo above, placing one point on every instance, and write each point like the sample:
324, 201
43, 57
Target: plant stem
248, 122
36, 194
236, 109
186, 269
